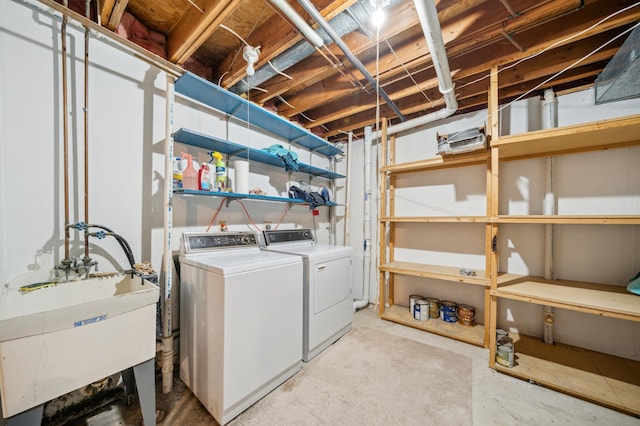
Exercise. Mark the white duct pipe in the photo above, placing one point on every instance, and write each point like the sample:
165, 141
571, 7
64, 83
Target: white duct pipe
300, 23
366, 222
428, 16
549, 120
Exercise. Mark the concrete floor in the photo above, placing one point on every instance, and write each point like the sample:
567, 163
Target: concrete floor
498, 399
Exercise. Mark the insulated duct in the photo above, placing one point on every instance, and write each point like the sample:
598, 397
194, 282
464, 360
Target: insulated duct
343, 24
428, 16
619, 80
311, 10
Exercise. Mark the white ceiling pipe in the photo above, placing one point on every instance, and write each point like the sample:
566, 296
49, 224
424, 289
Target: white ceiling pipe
300, 23
428, 16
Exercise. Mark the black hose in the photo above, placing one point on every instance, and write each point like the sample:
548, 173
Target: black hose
123, 243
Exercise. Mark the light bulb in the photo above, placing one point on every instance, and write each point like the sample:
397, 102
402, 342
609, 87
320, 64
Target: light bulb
378, 17
250, 69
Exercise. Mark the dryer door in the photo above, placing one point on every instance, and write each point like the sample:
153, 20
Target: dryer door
330, 283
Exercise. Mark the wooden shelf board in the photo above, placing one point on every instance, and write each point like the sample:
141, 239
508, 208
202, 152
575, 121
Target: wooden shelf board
401, 315
600, 378
447, 273
571, 219
603, 134
436, 219
600, 299
439, 162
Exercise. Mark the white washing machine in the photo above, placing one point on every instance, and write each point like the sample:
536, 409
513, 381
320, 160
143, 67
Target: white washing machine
328, 303
240, 320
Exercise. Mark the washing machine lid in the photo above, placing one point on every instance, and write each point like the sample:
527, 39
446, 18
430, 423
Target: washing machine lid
312, 251
238, 261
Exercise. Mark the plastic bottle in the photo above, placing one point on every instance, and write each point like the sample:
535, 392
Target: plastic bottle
221, 171
204, 179
177, 173
189, 174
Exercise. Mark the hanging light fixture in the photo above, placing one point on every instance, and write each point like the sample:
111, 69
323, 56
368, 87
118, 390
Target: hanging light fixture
378, 16
251, 54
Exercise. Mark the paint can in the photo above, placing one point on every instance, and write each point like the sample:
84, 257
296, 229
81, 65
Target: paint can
501, 333
448, 311
504, 340
504, 355
434, 307
466, 315
412, 302
421, 310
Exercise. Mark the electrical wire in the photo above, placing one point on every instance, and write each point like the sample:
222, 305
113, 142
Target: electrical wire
551, 46
279, 72
402, 64
562, 71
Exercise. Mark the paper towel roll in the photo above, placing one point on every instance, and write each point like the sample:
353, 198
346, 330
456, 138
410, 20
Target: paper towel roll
241, 173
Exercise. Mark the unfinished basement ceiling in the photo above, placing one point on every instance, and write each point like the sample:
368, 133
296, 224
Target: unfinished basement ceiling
327, 94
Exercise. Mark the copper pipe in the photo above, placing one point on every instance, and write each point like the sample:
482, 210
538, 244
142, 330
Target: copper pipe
65, 137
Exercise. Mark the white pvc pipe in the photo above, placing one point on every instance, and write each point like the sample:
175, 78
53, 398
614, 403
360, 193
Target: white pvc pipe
347, 208
549, 120
300, 23
367, 221
167, 323
428, 15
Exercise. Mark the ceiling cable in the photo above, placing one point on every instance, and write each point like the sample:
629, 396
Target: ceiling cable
285, 101
279, 72
195, 5
551, 46
567, 68
405, 69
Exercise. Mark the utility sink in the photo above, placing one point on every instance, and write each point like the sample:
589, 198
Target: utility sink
59, 337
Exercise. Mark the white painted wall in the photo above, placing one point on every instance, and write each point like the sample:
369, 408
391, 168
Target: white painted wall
606, 182
126, 164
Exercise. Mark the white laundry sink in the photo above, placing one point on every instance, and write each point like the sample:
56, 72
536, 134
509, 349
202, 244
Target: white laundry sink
58, 338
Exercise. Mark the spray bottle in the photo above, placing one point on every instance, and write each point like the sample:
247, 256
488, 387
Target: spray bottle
189, 174
221, 171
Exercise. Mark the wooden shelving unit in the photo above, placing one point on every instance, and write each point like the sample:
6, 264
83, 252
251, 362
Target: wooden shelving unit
601, 378
389, 267
472, 335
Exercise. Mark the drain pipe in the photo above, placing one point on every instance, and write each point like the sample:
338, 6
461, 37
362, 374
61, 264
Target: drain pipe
167, 323
347, 194
428, 16
549, 120
311, 10
367, 221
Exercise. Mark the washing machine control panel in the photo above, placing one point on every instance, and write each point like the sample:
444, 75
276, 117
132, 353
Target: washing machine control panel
289, 236
207, 241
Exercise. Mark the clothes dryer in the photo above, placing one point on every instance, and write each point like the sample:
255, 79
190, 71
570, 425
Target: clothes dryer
327, 283
240, 320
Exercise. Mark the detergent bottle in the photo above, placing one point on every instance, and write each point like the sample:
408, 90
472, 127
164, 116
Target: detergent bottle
189, 174
177, 173
221, 171
204, 178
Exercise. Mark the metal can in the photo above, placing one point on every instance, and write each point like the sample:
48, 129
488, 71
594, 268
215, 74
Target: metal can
412, 302
466, 315
504, 355
448, 311
434, 307
421, 310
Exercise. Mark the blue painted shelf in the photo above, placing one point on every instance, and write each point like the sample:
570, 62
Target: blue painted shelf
235, 195
211, 94
212, 143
